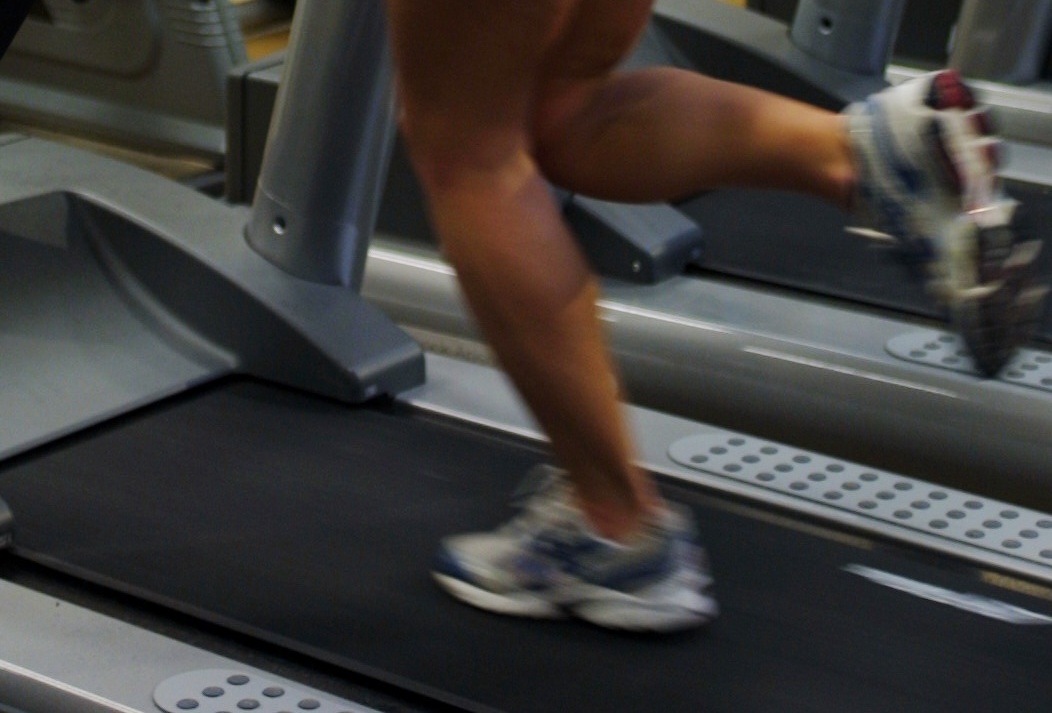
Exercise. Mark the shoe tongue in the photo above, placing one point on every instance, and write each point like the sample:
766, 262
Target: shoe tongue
544, 482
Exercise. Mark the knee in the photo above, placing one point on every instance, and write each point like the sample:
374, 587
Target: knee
556, 126
449, 154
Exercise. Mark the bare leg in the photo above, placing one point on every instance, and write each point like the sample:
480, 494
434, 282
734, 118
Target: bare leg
490, 88
467, 127
663, 133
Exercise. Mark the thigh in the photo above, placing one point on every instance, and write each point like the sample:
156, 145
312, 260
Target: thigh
595, 39
578, 65
467, 69
472, 73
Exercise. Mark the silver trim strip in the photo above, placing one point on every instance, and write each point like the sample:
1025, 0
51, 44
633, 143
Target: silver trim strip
848, 371
48, 695
974, 603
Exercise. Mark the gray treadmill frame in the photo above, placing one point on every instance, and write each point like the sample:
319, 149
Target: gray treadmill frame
57, 657
138, 288
748, 47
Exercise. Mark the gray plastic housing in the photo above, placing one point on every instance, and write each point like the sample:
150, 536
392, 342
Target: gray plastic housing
141, 72
644, 243
855, 35
123, 288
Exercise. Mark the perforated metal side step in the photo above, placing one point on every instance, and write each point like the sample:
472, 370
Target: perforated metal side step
223, 691
946, 351
874, 494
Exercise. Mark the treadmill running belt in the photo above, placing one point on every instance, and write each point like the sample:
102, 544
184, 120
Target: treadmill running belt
793, 241
12, 14
311, 524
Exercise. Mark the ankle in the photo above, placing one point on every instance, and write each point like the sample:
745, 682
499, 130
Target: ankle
618, 520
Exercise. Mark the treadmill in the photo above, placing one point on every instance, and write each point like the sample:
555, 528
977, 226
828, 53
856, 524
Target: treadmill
786, 325
227, 507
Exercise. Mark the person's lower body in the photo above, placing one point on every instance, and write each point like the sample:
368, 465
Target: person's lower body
480, 80
500, 96
927, 178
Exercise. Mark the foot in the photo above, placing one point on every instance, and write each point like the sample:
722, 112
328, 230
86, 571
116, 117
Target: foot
547, 562
927, 177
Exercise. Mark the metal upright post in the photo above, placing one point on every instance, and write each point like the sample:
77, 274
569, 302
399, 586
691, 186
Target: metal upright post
854, 35
1004, 41
329, 144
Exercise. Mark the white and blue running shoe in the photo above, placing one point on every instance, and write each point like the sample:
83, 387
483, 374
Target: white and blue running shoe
927, 162
547, 562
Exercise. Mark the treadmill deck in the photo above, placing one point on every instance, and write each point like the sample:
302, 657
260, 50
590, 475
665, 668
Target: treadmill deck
311, 525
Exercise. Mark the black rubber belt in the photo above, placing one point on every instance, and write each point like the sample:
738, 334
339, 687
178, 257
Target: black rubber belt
312, 525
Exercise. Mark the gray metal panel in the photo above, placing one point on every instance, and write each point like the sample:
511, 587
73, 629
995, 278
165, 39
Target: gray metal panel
252, 90
923, 36
216, 690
